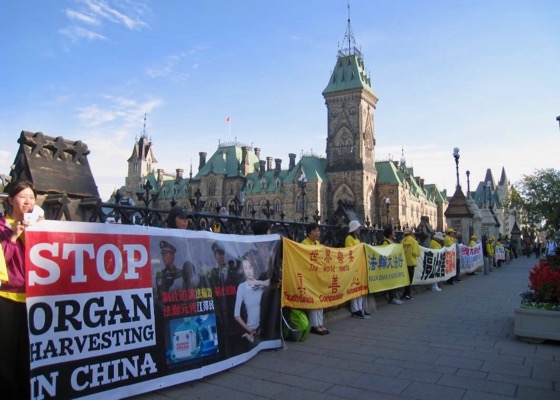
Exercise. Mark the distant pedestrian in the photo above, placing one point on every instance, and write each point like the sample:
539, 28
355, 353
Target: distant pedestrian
387, 240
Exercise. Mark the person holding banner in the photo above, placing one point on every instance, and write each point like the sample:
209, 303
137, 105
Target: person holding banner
448, 241
473, 243
14, 344
411, 252
490, 250
315, 316
178, 218
436, 243
357, 304
387, 240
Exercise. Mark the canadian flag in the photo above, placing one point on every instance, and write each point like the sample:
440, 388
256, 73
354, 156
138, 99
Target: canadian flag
227, 119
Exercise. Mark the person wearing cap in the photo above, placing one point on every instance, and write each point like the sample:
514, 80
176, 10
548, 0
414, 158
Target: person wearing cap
166, 277
436, 244
220, 275
411, 253
387, 240
315, 316
178, 218
357, 304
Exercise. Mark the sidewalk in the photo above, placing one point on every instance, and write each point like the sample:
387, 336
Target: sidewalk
455, 344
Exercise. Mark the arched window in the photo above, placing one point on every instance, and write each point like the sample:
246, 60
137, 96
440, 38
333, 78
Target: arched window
278, 206
212, 188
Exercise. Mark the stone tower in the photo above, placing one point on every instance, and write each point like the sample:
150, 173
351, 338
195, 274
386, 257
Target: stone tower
141, 163
350, 151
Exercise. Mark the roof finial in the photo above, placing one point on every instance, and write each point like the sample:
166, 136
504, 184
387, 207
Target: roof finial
144, 134
349, 39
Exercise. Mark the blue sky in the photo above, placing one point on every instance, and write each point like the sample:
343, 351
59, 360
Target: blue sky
483, 76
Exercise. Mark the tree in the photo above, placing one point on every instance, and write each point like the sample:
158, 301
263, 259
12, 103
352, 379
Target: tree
540, 195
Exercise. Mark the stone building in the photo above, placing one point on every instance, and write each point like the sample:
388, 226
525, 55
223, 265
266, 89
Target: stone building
348, 179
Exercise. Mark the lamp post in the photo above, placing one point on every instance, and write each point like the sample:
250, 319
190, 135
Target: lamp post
303, 183
558, 119
468, 185
387, 204
456, 157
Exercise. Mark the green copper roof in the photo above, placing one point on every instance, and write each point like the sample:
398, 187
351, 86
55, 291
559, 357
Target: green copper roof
387, 173
225, 161
349, 74
312, 166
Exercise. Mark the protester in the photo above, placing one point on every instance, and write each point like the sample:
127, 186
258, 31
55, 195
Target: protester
14, 344
357, 304
178, 218
315, 316
473, 243
387, 240
490, 251
448, 241
436, 243
411, 252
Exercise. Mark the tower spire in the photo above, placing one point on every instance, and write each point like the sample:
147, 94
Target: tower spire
348, 40
144, 133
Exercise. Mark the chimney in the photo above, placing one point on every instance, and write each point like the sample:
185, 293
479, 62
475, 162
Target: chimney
292, 161
179, 174
258, 152
262, 164
278, 167
160, 175
202, 158
245, 160
268, 163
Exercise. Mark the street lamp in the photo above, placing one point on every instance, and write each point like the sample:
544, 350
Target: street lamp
456, 157
302, 183
558, 119
387, 204
468, 184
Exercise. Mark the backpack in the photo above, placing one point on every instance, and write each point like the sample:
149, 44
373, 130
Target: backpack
296, 326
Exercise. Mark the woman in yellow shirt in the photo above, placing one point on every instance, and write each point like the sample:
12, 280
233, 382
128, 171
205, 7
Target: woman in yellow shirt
356, 304
315, 316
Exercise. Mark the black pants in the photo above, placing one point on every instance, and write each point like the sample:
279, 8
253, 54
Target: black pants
14, 351
407, 291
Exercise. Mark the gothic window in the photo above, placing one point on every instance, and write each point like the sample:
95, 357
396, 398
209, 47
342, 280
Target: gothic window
263, 184
164, 191
277, 206
136, 166
248, 208
249, 185
212, 188
278, 183
175, 191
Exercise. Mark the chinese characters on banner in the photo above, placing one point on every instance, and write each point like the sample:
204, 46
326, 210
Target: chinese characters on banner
471, 257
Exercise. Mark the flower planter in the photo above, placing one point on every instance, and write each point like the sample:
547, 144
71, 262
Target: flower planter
535, 326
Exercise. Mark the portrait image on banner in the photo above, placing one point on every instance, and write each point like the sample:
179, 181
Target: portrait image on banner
124, 309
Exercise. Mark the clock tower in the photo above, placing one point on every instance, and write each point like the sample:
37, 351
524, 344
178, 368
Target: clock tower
351, 103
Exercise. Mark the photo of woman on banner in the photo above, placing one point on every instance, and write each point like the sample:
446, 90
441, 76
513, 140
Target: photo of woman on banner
249, 295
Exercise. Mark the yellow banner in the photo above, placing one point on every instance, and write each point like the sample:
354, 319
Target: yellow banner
321, 276
386, 267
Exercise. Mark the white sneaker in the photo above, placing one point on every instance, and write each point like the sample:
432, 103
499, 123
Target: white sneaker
435, 288
396, 301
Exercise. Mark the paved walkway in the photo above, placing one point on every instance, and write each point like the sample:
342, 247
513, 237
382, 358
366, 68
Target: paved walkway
456, 344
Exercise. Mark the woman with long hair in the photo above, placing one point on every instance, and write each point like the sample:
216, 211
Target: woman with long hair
14, 344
